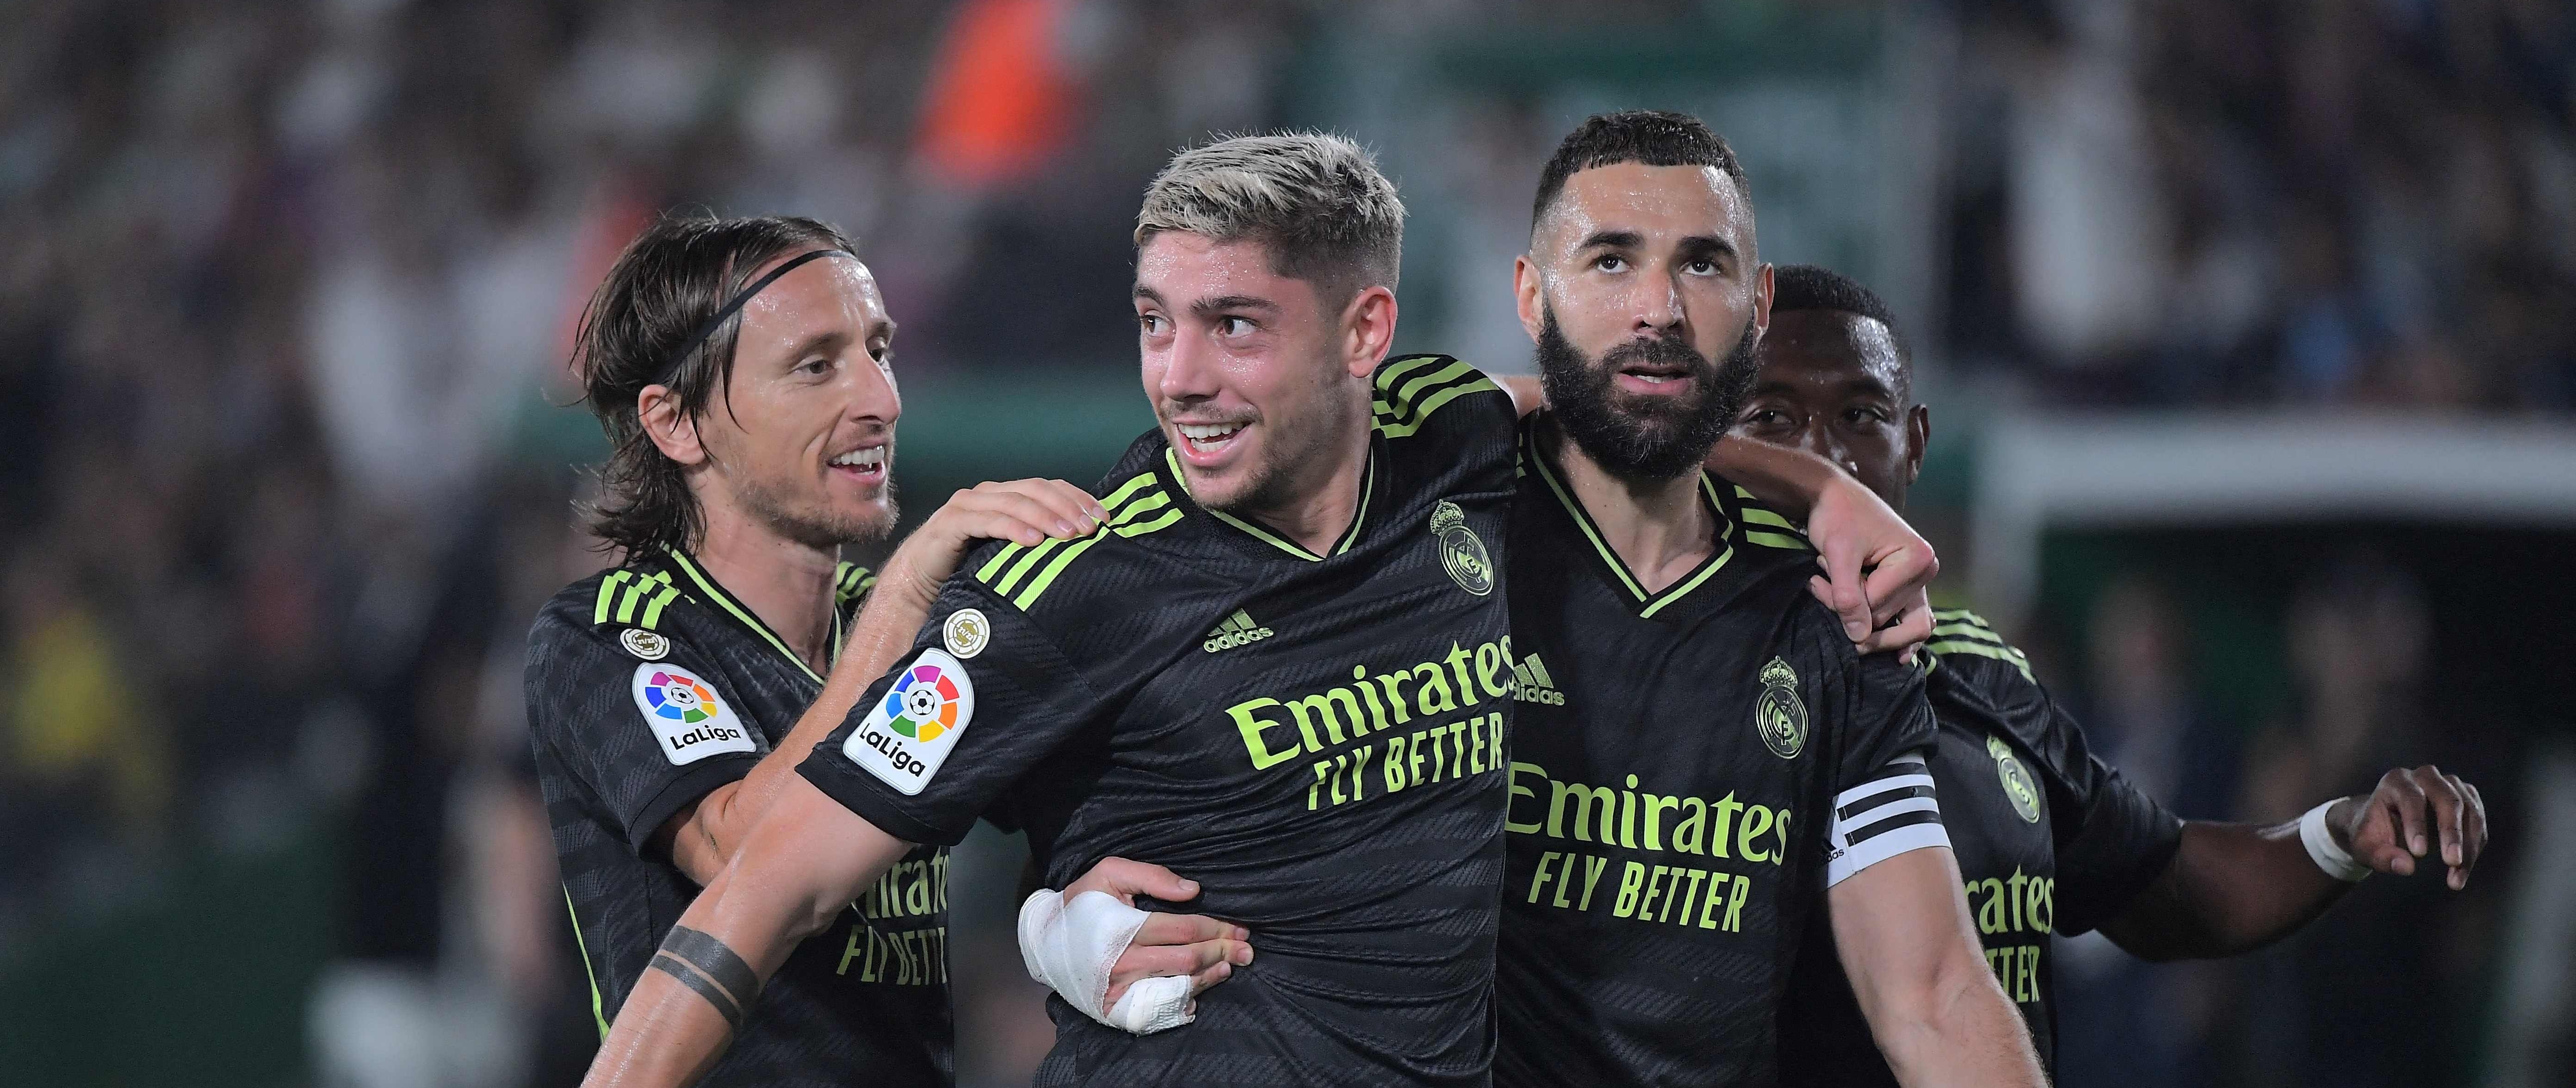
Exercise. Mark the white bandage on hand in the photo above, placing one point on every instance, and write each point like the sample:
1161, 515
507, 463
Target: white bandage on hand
1070, 947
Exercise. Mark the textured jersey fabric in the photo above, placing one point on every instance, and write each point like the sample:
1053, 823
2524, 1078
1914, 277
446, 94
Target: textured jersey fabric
649, 686
1674, 772
1316, 738
2049, 839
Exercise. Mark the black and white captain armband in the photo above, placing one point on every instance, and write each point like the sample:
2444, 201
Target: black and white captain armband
1881, 818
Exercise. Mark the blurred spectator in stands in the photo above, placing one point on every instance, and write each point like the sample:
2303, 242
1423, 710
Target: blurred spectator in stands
2122, 1020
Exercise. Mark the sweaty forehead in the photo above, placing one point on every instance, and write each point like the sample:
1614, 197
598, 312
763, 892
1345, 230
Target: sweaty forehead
1832, 348
1654, 201
834, 293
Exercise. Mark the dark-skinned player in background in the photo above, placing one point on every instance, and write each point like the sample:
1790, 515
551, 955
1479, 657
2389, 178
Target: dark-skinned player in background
1704, 772
2049, 838
1297, 476
742, 369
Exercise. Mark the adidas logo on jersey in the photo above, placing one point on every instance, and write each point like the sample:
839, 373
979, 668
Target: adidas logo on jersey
1531, 684
1237, 630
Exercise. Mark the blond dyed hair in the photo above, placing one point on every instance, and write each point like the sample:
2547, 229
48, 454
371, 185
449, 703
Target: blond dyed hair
1315, 199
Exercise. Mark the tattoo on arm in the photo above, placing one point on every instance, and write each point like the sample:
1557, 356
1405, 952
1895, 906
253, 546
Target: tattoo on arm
705, 965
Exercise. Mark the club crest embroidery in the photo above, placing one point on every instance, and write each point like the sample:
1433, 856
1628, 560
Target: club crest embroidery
966, 632
1462, 553
645, 644
1778, 715
2018, 786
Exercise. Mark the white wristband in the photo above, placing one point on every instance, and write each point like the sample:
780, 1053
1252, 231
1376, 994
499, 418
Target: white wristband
1071, 947
2322, 849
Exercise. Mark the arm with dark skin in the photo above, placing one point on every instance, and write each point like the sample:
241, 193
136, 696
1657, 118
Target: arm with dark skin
1877, 568
2233, 888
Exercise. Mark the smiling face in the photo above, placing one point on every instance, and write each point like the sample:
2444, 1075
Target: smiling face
1637, 278
802, 438
1832, 383
1254, 382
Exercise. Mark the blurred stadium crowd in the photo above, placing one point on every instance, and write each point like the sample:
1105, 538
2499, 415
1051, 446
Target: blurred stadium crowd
286, 291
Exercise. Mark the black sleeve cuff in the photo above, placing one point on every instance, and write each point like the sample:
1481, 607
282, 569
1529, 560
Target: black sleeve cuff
839, 781
693, 782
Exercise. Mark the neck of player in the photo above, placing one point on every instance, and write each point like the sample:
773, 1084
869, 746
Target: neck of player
1319, 512
785, 583
1661, 528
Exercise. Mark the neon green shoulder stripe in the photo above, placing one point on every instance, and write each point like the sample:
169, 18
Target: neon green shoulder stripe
2004, 654
624, 592
1025, 557
1134, 519
1402, 405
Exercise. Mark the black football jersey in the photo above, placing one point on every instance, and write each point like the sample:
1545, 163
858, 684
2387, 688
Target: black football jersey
649, 686
2049, 839
1318, 739
1691, 769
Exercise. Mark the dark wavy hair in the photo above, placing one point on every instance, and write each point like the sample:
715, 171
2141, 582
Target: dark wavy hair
670, 280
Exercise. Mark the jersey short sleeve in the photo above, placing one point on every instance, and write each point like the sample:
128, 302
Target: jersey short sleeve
647, 735
983, 695
2112, 839
1884, 803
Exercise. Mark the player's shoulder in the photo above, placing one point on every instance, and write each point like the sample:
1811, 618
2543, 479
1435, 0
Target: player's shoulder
628, 612
1413, 396
1130, 552
1964, 642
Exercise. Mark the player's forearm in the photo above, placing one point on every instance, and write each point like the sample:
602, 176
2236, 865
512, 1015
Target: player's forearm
884, 630
2230, 889
694, 995
1785, 479
1961, 1031
795, 874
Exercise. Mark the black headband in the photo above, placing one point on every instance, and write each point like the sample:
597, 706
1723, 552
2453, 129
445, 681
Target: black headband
671, 369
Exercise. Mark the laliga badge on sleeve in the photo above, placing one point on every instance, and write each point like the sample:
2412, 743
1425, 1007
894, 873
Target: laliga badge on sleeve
911, 730
966, 632
687, 715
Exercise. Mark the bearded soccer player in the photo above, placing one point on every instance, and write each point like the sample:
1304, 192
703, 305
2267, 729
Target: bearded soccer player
2049, 838
1704, 769
741, 367
1337, 764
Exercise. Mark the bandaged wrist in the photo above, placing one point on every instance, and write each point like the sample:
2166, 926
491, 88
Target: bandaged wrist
2322, 849
1071, 947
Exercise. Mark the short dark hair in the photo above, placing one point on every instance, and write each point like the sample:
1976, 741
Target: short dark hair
671, 279
1650, 137
1814, 287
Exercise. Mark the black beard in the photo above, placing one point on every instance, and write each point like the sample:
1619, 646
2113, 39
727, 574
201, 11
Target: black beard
1636, 438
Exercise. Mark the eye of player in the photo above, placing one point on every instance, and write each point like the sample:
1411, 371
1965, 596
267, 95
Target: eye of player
1150, 323
1233, 325
1613, 263
1862, 415
1766, 419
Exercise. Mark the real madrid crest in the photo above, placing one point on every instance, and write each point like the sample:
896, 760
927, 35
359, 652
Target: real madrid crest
1462, 554
1777, 714
966, 632
2023, 792
645, 644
